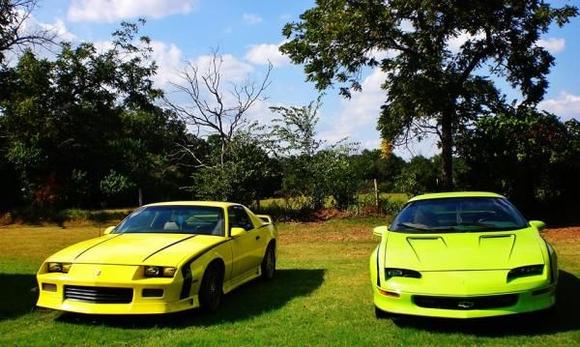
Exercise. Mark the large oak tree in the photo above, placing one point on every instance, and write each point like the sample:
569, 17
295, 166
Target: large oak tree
431, 84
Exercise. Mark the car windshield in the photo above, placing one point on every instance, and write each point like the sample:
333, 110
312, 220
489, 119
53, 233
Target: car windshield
204, 220
458, 215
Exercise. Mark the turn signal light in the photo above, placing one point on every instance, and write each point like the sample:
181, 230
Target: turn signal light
387, 293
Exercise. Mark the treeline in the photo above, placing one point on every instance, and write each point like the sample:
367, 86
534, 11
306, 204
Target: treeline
88, 129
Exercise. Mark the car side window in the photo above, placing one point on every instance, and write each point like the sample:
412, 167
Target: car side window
238, 218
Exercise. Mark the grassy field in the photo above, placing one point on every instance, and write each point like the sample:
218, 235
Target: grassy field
321, 296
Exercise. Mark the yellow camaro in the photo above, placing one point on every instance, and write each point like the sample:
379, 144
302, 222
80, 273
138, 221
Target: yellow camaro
164, 257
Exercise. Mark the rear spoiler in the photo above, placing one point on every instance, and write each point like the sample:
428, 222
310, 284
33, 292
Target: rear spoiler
265, 218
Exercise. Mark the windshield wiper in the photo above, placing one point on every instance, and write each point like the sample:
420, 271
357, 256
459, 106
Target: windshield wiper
412, 226
477, 224
418, 227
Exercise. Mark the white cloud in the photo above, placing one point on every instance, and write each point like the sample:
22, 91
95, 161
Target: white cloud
168, 56
553, 44
169, 60
361, 111
566, 105
114, 10
263, 53
30, 25
251, 18
232, 69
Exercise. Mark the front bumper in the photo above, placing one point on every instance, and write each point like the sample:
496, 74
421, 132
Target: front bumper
404, 304
52, 291
464, 294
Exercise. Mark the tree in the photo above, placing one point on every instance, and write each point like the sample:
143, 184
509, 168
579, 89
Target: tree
430, 85
13, 15
85, 128
419, 176
232, 165
530, 156
311, 171
245, 176
371, 164
214, 110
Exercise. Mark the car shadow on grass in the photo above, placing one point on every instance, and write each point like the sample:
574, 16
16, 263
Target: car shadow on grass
250, 300
18, 293
563, 317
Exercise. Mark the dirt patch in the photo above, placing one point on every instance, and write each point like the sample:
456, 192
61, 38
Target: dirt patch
568, 234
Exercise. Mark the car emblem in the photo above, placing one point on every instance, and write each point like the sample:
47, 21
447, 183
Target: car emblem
465, 304
98, 273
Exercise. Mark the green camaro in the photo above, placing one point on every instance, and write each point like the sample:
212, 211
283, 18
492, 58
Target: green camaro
462, 255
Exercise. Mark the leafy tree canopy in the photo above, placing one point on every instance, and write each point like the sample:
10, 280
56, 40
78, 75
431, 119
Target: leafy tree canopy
429, 84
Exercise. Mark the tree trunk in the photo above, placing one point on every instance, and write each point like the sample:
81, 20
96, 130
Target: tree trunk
447, 150
140, 197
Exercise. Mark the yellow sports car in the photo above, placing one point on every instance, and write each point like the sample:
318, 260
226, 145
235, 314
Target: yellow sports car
162, 258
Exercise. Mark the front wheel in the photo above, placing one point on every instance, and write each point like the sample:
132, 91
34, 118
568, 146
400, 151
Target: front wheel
269, 263
210, 291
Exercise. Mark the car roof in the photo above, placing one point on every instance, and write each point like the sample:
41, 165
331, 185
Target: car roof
221, 204
456, 195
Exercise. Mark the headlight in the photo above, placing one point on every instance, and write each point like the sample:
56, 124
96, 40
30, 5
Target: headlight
159, 271
389, 272
58, 267
523, 271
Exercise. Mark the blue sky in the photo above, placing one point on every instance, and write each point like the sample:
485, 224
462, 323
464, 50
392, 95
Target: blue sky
248, 32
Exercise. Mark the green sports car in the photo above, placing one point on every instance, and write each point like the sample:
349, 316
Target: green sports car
462, 255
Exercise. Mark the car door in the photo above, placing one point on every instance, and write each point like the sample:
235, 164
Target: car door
247, 246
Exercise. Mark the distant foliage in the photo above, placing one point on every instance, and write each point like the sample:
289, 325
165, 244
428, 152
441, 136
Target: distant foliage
85, 129
531, 156
246, 174
310, 169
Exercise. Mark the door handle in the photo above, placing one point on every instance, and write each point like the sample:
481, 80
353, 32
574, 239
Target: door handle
258, 237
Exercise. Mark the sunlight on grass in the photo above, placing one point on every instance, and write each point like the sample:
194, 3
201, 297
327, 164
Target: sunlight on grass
320, 297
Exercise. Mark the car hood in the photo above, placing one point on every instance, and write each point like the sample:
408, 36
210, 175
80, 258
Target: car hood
463, 251
137, 249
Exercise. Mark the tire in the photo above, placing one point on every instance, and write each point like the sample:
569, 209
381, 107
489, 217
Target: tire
210, 290
380, 314
268, 266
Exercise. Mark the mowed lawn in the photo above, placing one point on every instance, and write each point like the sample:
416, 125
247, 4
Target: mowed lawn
321, 296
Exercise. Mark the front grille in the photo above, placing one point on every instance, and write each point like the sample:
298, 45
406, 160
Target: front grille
465, 303
99, 295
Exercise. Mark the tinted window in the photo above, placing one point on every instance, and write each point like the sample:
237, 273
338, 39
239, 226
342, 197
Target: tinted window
203, 220
459, 214
239, 218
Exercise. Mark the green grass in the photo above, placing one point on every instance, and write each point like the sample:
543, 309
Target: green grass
321, 296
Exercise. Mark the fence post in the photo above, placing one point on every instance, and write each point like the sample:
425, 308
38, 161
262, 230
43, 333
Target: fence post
376, 195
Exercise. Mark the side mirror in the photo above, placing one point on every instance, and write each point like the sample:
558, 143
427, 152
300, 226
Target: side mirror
538, 224
379, 231
235, 232
108, 230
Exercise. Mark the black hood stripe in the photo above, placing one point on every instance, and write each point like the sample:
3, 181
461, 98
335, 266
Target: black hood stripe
169, 245
95, 245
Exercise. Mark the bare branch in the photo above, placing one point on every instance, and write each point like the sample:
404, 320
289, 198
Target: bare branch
13, 34
211, 109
